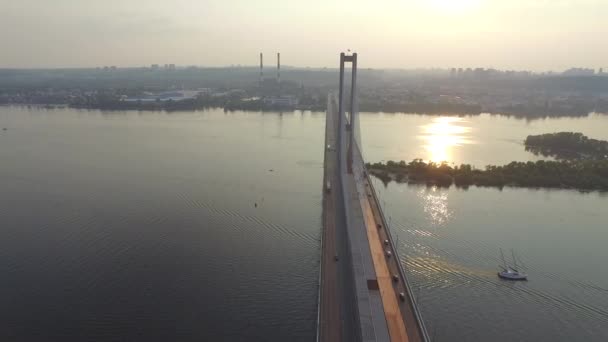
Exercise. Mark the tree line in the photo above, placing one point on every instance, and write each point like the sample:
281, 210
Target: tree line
572, 174
567, 145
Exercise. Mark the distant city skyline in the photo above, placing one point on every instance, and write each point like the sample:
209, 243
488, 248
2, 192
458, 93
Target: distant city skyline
270, 69
537, 35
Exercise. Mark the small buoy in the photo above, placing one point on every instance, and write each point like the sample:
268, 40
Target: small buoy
255, 204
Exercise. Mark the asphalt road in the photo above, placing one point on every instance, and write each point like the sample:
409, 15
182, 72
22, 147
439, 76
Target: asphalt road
338, 318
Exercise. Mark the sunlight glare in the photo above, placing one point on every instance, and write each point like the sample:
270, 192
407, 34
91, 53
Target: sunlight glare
442, 135
435, 202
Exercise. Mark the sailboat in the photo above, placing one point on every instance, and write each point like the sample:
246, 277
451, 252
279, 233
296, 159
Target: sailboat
508, 272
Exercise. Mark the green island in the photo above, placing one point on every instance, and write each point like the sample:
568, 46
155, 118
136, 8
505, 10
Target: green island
567, 145
566, 174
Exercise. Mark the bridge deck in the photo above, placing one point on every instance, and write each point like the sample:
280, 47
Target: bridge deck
329, 311
391, 266
406, 307
392, 312
359, 300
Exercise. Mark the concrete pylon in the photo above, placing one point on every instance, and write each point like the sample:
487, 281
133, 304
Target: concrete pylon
261, 68
278, 67
341, 104
353, 105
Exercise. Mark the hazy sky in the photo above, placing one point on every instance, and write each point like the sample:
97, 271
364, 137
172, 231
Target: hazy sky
514, 34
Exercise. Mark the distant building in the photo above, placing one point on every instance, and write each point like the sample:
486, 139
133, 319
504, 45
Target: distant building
174, 96
479, 73
234, 93
281, 101
204, 91
579, 72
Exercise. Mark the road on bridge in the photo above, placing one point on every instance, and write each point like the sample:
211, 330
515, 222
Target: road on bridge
337, 320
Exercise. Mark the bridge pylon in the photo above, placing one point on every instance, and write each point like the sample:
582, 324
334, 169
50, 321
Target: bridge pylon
351, 123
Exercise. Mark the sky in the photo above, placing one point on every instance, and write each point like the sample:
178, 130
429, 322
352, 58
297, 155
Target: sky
534, 35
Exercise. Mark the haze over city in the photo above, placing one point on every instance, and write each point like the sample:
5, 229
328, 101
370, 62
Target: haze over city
534, 35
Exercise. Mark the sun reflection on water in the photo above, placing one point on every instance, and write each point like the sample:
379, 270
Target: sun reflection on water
435, 202
442, 136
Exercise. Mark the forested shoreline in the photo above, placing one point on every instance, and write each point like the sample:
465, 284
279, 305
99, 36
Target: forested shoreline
565, 174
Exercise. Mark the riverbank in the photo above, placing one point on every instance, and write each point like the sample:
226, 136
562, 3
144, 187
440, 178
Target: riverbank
578, 174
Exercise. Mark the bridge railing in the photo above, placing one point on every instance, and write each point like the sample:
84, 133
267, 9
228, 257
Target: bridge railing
420, 322
319, 284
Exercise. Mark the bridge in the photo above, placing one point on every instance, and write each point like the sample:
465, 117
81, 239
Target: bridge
364, 294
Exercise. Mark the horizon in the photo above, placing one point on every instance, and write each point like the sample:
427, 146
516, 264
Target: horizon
391, 34
316, 68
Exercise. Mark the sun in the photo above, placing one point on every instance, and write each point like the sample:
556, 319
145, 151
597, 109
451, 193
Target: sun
454, 6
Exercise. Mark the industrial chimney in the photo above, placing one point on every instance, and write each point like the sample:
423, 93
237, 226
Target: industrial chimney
278, 67
261, 68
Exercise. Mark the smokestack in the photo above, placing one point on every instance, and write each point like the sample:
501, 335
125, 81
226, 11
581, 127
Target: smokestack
261, 67
278, 67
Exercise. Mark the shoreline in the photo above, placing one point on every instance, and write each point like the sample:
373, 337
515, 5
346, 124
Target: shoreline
393, 178
303, 109
584, 176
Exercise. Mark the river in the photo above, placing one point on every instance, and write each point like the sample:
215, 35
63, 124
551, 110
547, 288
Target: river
449, 239
205, 225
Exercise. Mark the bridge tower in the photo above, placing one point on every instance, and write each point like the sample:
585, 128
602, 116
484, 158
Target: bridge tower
261, 68
351, 124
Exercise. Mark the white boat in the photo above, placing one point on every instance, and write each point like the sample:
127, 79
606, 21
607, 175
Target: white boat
511, 273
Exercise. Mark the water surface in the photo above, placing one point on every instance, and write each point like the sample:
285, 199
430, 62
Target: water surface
478, 139
143, 226
449, 239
